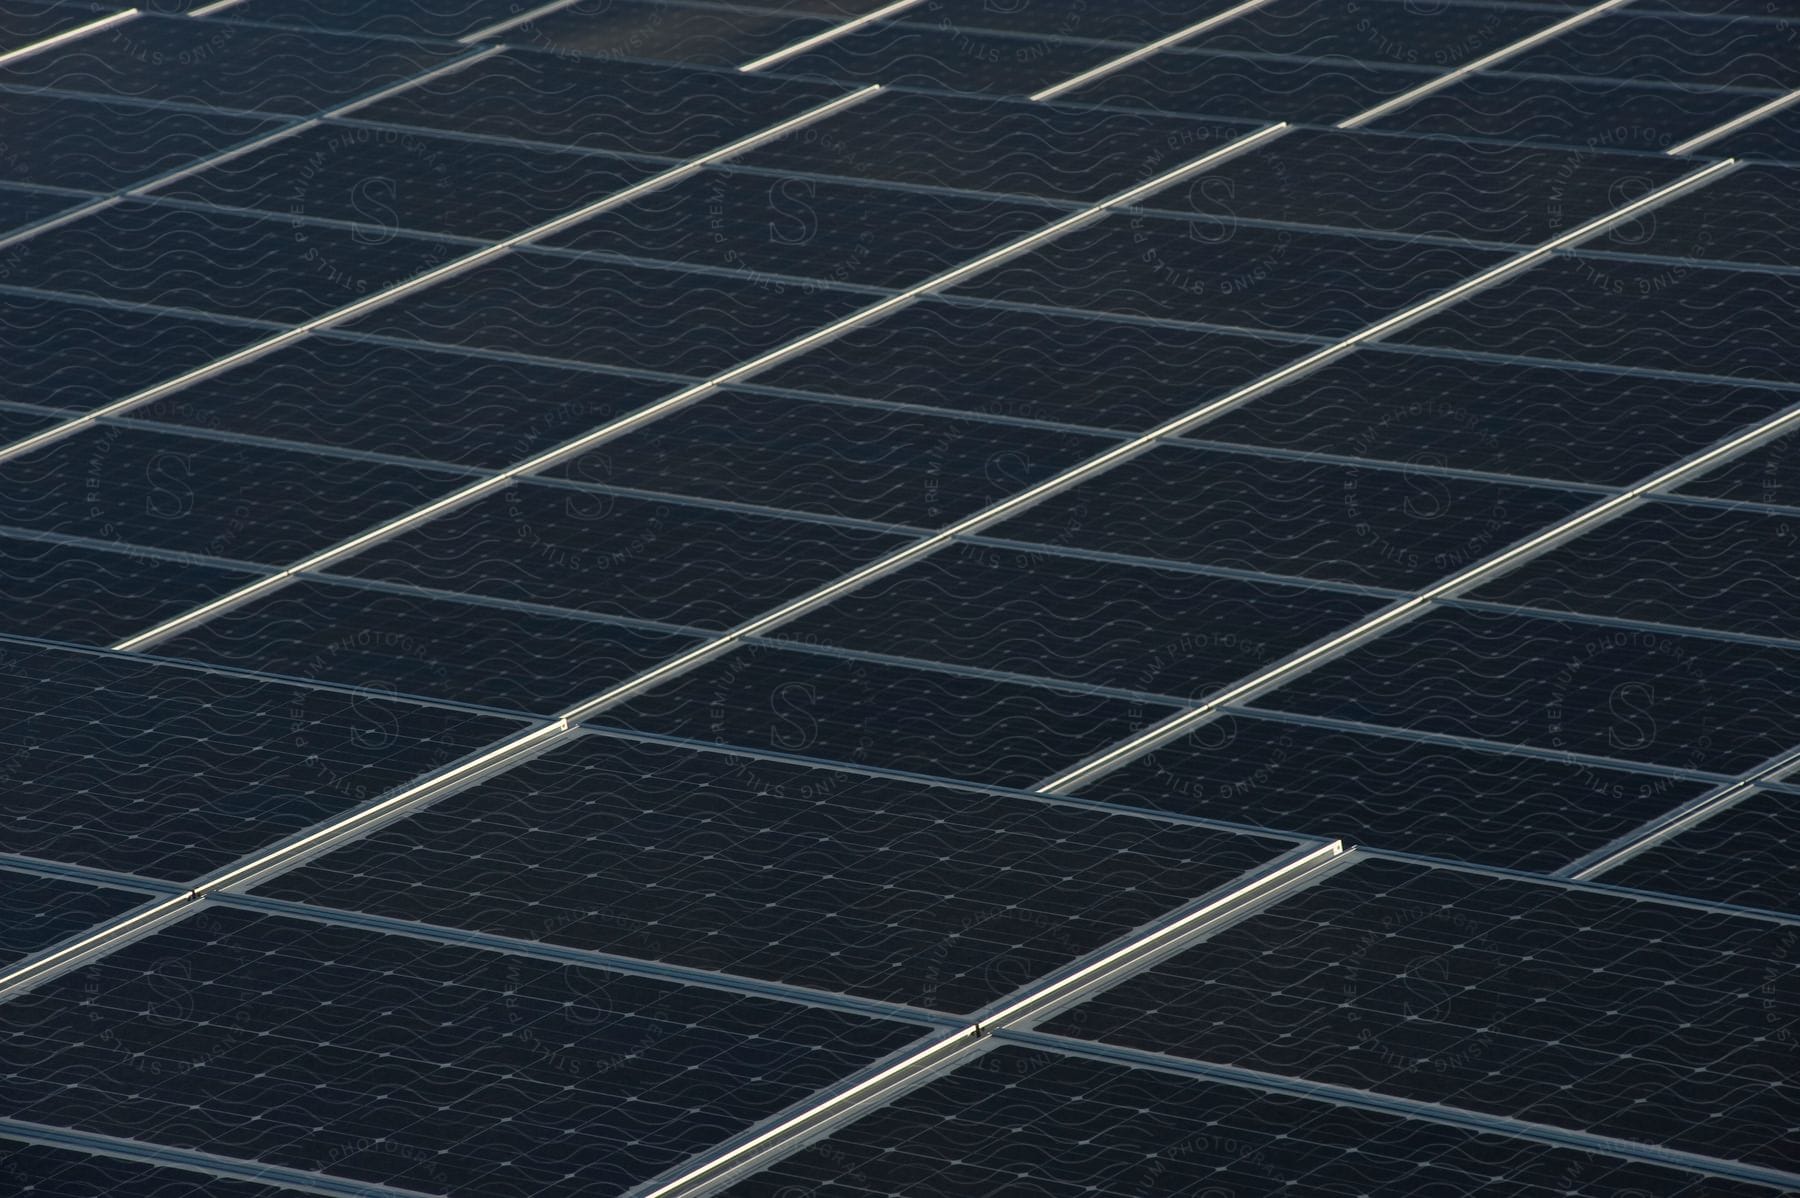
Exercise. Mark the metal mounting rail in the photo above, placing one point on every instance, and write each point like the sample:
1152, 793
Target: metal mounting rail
685, 397
1734, 124
68, 35
829, 35
437, 274
833, 1108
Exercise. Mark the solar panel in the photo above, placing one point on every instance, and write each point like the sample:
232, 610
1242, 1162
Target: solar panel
678, 597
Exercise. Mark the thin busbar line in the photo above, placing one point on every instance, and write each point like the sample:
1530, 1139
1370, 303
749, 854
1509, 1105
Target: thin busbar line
1735, 123
829, 35
1145, 51
1511, 50
683, 398
437, 274
68, 35
158, 181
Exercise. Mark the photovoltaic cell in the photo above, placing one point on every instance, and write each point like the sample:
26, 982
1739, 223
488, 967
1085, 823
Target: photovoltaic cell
950, 59
390, 1060
128, 764
192, 495
1741, 855
1023, 1119
416, 18
1580, 1009
68, 141
857, 712
1474, 803
870, 886
613, 554
699, 34
1377, 32
243, 67
1245, 87
92, 595
1665, 47
1078, 620
427, 646
1692, 702
1744, 219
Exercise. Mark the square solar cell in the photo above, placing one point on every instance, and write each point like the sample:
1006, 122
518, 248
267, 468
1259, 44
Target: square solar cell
1071, 1126
1434, 186
967, 59
630, 315
1199, 270
64, 353
1248, 87
1692, 702
407, 400
838, 709
427, 646
899, 891
193, 495
1305, 519
723, 36
386, 1059
1614, 114
1053, 151
100, 145
622, 555
835, 459
1653, 47
761, 223
133, 765
1643, 313
1586, 425
1744, 217
52, 1172
622, 107
227, 263
1581, 1009
248, 68
1769, 474
41, 911
1081, 620
1052, 366
1739, 855
1465, 802
1727, 569
401, 179
93, 595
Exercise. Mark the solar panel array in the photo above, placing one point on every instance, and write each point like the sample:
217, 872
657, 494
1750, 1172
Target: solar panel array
948, 597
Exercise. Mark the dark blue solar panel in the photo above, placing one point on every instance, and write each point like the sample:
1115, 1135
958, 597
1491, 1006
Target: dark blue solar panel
1665, 47
399, 179
1640, 695
922, 469
392, 1060
1742, 855
94, 595
419, 645
1080, 620
622, 555
23, 22
228, 263
1059, 366
1744, 217
1614, 114
787, 225
1726, 569
1775, 138
1240, 87
1463, 802
131, 765
1377, 31
1770, 474
407, 400
42, 911
1633, 313
1436, 186
415, 18
1283, 280
965, 60
614, 314
45, 1172
78, 356
218, 498
1022, 1120
871, 886
888, 716
243, 67
1575, 1008
699, 34
1132, 22
1057, 151
64, 141
647, 108
1553, 422
1394, 528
